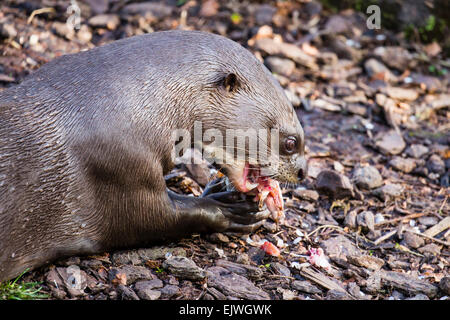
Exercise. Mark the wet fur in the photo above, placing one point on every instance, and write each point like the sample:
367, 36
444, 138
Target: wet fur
85, 141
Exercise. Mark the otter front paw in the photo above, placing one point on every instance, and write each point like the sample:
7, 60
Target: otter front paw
240, 212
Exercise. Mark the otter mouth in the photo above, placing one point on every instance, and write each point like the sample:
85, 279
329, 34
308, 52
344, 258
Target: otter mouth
267, 191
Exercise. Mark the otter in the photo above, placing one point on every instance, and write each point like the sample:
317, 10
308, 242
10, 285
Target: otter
85, 142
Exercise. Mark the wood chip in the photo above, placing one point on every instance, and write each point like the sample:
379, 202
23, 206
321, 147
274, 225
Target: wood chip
438, 228
322, 280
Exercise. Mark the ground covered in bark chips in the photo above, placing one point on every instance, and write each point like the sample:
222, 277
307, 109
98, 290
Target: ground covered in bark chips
371, 221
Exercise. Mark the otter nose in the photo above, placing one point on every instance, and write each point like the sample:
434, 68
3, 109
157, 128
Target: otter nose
303, 169
301, 174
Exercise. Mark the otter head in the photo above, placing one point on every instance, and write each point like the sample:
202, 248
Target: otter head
261, 134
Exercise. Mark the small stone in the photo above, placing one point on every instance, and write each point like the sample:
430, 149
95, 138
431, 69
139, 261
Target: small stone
308, 195
110, 21
264, 14
281, 269
366, 261
350, 219
281, 66
390, 142
234, 285
218, 237
333, 184
144, 289
436, 164
169, 291
402, 164
339, 247
388, 191
153, 10
98, 6
367, 177
402, 94
444, 285
7, 30
132, 273
305, 286
395, 56
412, 240
373, 283
84, 34
431, 248
63, 30
377, 70
428, 221
243, 259
366, 220
337, 295
125, 257
184, 268
288, 50
126, 293
209, 8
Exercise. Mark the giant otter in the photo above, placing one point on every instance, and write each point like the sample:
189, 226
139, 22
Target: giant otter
85, 142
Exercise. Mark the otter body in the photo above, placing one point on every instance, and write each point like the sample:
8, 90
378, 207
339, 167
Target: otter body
86, 140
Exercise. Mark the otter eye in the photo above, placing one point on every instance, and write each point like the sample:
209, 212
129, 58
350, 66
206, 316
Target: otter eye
290, 144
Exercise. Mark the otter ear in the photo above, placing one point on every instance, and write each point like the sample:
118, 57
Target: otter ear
230, 82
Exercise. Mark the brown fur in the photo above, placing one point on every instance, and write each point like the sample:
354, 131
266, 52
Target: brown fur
84, 142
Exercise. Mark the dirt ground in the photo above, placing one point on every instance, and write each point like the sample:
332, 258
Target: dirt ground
375, 110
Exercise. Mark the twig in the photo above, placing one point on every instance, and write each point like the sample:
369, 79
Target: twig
386, 236
39, 11
323, 227
411, 216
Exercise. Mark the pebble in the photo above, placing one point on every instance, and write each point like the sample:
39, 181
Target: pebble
367, 177
444, 285
339, 247
132, 273
366, 220
366, 261
412, 240
281, 66
390, 142
144, 289
110, 21
376, 69
308, 195
401, 164
305, 286
184, 268
7, 30
402, 94
350, 219
334, 184
436, 164
169, 291
394, 56
234, 285
264, 14
431, 248
388, 191
428, 221
126, 293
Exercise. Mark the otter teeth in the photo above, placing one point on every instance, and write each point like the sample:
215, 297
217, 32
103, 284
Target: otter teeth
250, 186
